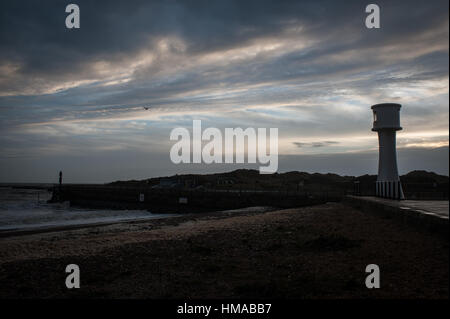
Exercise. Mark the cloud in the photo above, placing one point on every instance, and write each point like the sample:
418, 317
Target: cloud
315, 144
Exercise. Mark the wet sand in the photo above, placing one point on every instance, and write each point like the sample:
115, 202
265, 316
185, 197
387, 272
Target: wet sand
311, 252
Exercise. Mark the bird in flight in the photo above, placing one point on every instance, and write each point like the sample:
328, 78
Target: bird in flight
146, 108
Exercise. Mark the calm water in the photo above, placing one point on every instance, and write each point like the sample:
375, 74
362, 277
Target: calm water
28, 208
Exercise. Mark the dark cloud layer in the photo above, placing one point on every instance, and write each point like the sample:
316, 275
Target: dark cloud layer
33, 33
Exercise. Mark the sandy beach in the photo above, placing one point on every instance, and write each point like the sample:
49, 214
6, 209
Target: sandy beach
311, 252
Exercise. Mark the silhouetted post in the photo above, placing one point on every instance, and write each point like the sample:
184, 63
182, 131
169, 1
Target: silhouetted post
60, 184
357, 188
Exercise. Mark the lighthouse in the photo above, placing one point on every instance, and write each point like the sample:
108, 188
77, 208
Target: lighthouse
386, 121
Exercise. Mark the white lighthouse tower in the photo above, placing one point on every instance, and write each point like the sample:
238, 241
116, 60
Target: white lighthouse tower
386, 121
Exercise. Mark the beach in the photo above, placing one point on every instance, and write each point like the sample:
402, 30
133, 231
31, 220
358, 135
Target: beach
28, 210
312, 252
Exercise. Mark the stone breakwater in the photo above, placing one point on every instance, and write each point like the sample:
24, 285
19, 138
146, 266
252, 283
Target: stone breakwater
180, 201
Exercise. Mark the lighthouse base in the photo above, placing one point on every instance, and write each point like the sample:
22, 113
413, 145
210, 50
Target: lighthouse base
389, 189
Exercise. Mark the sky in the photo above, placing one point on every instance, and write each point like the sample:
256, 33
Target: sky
73, 99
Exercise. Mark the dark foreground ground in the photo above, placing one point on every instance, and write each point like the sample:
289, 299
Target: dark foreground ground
312, 252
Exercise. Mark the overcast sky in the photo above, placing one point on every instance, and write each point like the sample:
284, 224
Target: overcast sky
73, 100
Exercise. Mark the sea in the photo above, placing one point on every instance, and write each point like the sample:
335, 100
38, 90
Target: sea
27, 208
